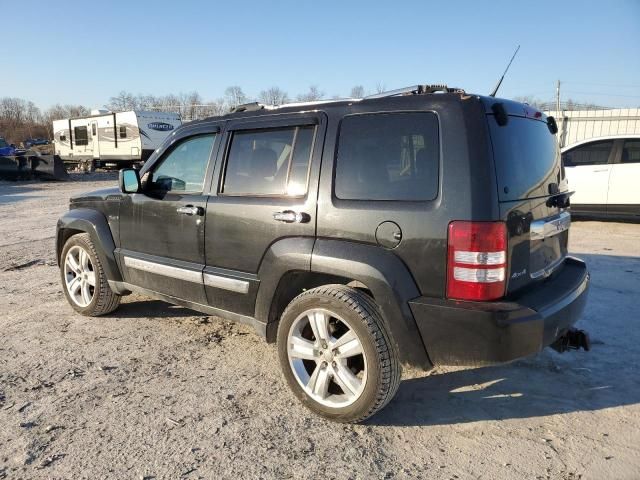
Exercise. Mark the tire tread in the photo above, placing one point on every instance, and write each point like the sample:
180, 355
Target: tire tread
365, 308
107, 301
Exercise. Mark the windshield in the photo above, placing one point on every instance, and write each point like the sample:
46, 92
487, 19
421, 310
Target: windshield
527, 158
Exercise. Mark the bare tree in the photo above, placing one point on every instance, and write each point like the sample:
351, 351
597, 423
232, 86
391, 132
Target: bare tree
568, 104
77, 110
21, 119
147, 102
189, 103
122, 102
234, 96
529, 99
274, 96
215, 108
312, 95
357, 91
380, 87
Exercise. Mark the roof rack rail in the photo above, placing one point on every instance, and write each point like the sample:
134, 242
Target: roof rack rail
248, 107
415, 90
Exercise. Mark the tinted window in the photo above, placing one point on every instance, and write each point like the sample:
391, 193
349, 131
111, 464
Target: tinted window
388, 156
631, 152
183, 169
93, 129
269, 162
81, 135
123, 131
595, 153
526, 157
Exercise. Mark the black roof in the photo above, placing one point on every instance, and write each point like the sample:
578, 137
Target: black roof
401, 97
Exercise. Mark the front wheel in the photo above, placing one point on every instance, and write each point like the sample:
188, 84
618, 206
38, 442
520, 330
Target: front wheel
83, 279
336, 353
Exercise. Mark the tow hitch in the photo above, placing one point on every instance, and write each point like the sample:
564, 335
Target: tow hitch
572, 340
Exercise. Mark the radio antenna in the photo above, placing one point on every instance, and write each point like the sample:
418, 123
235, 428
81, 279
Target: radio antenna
495, 90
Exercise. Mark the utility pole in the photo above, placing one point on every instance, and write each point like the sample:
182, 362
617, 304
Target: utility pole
558, 97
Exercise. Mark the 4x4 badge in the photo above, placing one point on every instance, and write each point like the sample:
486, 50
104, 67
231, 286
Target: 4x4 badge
518, 274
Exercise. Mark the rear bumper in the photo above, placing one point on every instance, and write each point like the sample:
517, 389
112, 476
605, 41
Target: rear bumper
481, 333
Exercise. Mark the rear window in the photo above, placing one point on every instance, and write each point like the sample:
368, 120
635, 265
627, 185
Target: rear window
527, 158
388, 156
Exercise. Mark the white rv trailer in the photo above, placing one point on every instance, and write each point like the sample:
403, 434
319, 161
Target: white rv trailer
111, 138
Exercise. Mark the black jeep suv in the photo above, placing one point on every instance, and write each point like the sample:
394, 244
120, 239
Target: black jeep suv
410, 227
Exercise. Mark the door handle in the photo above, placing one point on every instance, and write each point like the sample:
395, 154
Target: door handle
190, 210
289, 216
600, 170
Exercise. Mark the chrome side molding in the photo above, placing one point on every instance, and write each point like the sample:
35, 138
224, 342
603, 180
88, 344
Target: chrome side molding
226, 283
210, 280
166, 270
541, 229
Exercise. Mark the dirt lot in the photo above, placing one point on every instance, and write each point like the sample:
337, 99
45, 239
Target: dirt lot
155, 391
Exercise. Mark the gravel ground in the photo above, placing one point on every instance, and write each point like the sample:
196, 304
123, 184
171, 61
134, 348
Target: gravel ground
157, 391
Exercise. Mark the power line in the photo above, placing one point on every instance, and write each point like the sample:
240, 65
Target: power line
602, 84
604, 94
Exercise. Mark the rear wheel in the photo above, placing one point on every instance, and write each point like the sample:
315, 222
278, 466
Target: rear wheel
336, 353
83, 278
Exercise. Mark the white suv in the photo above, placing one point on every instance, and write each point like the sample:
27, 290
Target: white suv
605, 175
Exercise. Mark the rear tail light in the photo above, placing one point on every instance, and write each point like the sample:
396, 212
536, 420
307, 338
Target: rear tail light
477, 260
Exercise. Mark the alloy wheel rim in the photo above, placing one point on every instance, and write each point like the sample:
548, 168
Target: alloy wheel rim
79, 275
327, 358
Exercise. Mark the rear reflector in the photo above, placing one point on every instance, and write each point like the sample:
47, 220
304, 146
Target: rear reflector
477, 260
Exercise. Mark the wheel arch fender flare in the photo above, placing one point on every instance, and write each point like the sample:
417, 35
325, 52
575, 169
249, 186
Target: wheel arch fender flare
391, 285
96, 225
284, 256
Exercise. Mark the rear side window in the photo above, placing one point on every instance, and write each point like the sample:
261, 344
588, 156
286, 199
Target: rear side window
594, 153
631, 152
269, 162
388, 156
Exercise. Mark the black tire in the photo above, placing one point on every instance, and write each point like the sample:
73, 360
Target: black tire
104, 300
383, 368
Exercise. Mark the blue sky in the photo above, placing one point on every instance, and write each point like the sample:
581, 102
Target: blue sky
85, 52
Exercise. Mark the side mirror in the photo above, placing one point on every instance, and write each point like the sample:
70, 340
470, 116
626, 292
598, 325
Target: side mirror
553, 126
129, 180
